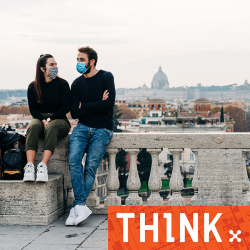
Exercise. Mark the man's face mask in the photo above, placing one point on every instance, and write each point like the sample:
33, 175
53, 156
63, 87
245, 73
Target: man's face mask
81, 68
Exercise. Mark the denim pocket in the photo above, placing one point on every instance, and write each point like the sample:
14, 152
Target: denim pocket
109, 132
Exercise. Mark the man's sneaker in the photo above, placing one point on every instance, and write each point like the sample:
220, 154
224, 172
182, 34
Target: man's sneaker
82, 213
71, 218
42, 172
29, 172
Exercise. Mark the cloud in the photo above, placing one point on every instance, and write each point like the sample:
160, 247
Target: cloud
84, 40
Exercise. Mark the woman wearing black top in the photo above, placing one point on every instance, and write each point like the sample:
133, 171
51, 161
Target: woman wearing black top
49, 102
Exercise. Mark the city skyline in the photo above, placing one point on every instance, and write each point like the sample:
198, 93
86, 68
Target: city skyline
194, 42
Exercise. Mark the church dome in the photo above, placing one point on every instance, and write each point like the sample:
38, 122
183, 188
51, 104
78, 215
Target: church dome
160, 80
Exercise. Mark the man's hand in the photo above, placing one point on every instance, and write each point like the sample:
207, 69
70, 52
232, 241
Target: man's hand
105, 95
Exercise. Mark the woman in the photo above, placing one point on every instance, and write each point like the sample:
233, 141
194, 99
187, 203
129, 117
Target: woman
49, 102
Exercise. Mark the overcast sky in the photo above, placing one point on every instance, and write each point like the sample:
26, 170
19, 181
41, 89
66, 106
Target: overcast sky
194, 41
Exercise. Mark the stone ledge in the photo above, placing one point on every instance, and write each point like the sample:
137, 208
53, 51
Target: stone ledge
31, 203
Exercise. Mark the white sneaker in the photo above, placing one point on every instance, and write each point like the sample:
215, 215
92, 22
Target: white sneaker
82, 213
71, 218
42, 172
29, 172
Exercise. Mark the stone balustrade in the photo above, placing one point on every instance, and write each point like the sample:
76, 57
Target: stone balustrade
220, 176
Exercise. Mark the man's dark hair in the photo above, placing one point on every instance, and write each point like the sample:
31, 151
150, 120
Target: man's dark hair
90, 52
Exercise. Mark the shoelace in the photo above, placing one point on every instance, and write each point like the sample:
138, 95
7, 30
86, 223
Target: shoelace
41, 168
28, 167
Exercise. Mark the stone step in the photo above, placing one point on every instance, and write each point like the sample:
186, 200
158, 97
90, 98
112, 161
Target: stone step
31, 203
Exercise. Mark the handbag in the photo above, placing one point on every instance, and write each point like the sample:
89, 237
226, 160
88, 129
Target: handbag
13, 163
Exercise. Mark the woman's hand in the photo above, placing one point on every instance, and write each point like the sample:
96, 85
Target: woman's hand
45, 124
105, 95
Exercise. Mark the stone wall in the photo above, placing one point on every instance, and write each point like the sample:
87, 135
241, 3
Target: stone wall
220, 169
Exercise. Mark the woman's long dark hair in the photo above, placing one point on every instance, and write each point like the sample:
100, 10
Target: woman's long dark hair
40, 76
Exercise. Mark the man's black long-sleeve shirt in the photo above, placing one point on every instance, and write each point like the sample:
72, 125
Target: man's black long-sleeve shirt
94, 112
55, 99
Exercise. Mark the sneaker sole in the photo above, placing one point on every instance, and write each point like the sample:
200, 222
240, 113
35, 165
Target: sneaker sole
29, 178
84, 218
69, 223
41, 180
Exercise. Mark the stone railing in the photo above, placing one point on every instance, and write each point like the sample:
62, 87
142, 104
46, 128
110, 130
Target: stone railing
220, 176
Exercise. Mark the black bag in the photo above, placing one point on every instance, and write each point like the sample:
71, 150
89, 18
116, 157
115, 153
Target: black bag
8, 136
14, 161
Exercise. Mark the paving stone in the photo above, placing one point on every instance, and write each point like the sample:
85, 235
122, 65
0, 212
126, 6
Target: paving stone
58, 235
104, 225
34, 246
15, 242
20, 230
99, 239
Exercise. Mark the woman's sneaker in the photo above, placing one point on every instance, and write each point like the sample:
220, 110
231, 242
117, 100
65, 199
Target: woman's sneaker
42, 172
82, 213
29, 172
72, 217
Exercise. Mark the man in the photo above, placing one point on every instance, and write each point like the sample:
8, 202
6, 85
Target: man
93, 98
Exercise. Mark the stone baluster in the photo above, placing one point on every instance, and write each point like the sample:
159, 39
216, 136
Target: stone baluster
112, 181
176, 181
154, 182
245, 181
93, 200
194, 199
133, 182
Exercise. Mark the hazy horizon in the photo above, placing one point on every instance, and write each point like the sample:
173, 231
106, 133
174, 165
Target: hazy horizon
193, 41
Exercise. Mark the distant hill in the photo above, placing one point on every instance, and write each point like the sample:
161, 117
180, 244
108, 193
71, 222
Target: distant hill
19, 93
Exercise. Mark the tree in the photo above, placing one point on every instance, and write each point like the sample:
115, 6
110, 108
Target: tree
239, 116
120, 160
23, 110
200, 121
221, 115
215, 109
144, 166
169, 167
4, 110
184, 179
12, 110
117, 115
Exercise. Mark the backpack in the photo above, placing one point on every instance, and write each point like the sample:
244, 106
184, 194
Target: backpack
8, 136
13, 161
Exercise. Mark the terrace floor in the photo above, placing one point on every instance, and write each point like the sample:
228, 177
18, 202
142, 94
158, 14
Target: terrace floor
91, 234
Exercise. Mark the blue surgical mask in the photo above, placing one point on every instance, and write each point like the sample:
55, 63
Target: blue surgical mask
81, 67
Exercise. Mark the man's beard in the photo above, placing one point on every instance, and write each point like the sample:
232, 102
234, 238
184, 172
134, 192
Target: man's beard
88, 70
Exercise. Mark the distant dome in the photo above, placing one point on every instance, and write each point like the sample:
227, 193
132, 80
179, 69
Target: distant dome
246, 83
160, 80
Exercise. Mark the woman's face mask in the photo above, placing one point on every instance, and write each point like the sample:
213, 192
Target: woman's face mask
53, 72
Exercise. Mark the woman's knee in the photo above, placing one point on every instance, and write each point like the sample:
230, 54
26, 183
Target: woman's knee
34, 129
51, 130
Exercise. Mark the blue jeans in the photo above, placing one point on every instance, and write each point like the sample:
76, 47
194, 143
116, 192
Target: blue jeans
94, 142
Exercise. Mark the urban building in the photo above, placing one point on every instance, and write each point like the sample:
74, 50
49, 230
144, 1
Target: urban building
161, 89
